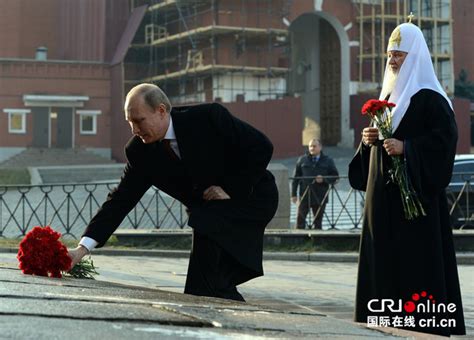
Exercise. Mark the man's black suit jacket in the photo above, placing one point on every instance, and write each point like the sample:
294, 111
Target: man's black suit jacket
216, 148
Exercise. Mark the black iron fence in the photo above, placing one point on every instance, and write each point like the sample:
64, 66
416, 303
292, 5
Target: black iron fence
338, 208
341, 207
460, 196
68, 208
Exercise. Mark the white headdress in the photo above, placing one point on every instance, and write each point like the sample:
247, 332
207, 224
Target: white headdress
416, 72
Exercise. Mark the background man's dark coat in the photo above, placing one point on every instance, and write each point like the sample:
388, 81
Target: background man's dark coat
305, 173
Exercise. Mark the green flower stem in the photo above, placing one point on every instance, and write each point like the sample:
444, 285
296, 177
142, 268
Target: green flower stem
85, 269
412, 206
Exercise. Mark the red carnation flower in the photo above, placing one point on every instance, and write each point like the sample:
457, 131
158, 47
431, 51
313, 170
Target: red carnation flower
41, 253
380, 112
373, 107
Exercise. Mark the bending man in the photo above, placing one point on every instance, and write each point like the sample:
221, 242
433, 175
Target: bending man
212, 162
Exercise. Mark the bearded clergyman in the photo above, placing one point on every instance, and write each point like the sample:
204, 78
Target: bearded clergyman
409, 261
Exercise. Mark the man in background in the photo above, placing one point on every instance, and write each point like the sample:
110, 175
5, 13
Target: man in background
313, 174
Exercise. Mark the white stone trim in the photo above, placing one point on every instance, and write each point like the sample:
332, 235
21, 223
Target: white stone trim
54, 100
89, 112
47, 98
318, 5
17, 110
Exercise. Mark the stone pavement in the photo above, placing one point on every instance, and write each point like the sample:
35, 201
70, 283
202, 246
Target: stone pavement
290, 301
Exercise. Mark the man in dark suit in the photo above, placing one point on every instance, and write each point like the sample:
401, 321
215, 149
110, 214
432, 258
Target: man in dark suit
314, 173
212, 162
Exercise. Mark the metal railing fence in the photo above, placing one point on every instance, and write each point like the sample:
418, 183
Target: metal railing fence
68, 208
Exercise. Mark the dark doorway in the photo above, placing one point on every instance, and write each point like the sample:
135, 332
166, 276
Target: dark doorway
64, 127
40, 127
315, 75
330, 84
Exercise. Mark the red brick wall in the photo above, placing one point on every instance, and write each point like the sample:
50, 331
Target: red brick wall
357, 121
82, 26
256, 53
463, 120
342, 9
72, 30
49, 78
120, 133
463, 39
38, 27
280, 120
27, 25
244, 13
116, 16
300, 7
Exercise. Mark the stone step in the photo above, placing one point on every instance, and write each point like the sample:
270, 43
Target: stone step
54, 156
76, 173
330, 240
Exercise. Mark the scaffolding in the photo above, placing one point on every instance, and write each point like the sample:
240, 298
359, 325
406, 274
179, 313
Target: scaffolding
378, 18
202, 50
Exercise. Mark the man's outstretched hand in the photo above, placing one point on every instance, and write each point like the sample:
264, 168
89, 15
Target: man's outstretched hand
77, 254
215, 192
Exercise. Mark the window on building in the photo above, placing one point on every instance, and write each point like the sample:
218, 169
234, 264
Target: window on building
16, 120
88, 121
88, 125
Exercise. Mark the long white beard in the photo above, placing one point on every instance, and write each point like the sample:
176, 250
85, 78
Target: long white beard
389, 83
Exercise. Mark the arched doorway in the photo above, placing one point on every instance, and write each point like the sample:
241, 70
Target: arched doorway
320, 75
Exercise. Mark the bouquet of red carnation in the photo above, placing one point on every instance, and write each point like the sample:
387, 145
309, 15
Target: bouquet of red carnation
380, 112
42, 253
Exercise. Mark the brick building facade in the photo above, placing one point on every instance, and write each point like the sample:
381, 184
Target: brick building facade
295, 69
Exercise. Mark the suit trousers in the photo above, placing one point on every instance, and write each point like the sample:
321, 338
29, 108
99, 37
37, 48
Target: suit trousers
212, 271
303, 209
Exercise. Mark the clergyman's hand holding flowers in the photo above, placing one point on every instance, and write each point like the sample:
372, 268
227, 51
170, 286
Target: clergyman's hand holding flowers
380, 113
